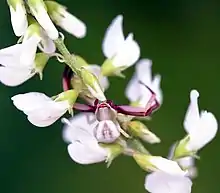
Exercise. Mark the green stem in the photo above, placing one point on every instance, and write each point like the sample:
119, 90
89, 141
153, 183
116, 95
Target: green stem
70, 59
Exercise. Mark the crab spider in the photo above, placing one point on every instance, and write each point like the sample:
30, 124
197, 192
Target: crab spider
97, 106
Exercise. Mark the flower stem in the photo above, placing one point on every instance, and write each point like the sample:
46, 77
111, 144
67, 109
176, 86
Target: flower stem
69, 59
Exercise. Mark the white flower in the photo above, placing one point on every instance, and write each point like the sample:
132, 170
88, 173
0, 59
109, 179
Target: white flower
40, 109
161, 182
96, 70
138, 93
18, 62
201, 127
18, 16
83, 147
123, 52
65, 20
38, 9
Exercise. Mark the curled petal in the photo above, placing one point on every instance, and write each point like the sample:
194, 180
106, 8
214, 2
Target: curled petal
160, 182
192, 116
114, 37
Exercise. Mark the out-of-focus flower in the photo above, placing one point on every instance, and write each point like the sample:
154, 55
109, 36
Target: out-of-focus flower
137, 93
42, 110
39, 10
83, 146
162, 182
120, 52
200, 127
65, 20
18, 16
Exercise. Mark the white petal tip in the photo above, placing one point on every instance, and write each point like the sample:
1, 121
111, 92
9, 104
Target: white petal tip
194, 94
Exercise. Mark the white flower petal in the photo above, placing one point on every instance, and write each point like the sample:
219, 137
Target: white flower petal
192, 115
30, 101
14, 76
18, 19
144, 72
46, 45
45, 21
72, 24
29, 50
114, 37
86, 152
79, 127
160, 182
165, 165
127, 54
46, 116
133, 92
84, 147
96, 70
205, 132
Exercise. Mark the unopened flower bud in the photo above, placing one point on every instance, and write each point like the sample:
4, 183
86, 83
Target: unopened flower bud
18, 16
40, 61
39, 10
92, 83
181, 150
107, 131
65, 20
138, 129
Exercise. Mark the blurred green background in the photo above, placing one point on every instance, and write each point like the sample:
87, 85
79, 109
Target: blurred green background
181, 37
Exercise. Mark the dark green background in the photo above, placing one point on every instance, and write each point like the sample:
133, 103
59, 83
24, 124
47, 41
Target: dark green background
183, 40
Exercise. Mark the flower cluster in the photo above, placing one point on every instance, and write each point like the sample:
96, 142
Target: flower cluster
103, 130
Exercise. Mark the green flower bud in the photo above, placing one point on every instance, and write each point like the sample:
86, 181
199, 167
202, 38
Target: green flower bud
92, 84
40, 61
138, 129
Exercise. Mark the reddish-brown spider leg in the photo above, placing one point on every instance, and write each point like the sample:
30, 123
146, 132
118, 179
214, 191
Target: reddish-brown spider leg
83, 107
139, 111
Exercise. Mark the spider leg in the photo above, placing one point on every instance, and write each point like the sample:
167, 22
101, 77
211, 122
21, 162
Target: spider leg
140, 111
83, 107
